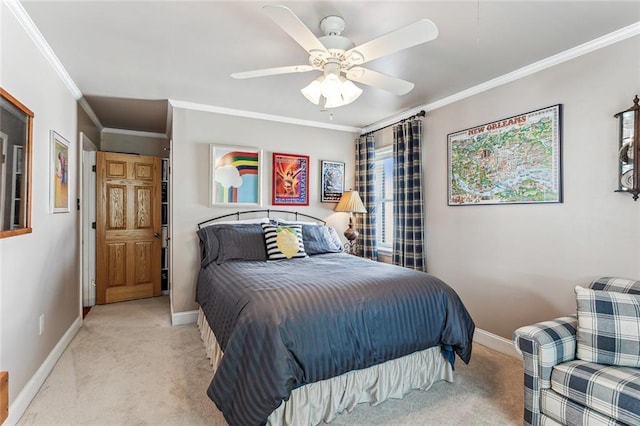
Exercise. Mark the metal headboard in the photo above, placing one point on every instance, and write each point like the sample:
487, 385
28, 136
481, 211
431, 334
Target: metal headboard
265, 211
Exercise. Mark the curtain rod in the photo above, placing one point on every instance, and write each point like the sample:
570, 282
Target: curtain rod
422, 113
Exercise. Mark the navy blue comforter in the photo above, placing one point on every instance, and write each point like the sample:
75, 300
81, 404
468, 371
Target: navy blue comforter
287, 323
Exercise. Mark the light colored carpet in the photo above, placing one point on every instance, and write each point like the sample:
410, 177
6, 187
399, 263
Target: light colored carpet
129, 366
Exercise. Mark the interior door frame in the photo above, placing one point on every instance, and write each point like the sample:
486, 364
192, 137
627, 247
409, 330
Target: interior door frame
3, 152
87, 205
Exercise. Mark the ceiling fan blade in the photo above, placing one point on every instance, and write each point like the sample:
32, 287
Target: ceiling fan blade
379, 80
292, 25
272, 71
411, 35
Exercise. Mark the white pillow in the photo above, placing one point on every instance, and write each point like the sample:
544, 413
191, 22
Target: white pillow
293, 222
237, 222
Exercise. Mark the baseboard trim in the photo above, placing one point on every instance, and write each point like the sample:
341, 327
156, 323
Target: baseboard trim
495, 342
24, 398
184, 318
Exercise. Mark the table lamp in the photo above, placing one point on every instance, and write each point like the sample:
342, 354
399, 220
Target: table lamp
350, 202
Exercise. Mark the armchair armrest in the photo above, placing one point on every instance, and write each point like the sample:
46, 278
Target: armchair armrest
546, 344
542, 346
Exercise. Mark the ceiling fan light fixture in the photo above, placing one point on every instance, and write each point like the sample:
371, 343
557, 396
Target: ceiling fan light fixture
331, 86
312, 92
350, 92
336, 91
334, 102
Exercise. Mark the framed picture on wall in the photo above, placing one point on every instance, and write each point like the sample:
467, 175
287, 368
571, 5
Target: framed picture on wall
235, 176
290, 185
515, 160
59, 173
331, 181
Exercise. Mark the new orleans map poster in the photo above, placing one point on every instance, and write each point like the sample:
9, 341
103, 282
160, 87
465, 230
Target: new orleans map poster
516, 160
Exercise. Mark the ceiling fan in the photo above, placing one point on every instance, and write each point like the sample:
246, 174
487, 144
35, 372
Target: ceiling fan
339, 59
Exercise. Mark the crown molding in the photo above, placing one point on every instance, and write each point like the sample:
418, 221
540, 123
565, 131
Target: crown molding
551, 61
379, 125
137, 133
30, 27
92, 115
27, 23
259, 116
588, 47
37, 37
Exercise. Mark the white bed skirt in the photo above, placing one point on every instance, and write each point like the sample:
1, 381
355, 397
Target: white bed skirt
319, 402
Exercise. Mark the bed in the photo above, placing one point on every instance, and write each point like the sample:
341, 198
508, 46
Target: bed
297, 330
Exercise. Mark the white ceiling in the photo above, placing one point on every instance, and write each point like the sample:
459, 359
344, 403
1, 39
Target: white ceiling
185, 51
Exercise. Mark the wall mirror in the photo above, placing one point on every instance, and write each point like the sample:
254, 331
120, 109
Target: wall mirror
16, 125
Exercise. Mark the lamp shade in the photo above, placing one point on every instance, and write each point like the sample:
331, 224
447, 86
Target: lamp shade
350, 202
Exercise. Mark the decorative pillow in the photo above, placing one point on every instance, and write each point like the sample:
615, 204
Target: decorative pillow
336, 238
608, 327
209, 246
283, 242
318, 240
293, 222
621, 285
240, 242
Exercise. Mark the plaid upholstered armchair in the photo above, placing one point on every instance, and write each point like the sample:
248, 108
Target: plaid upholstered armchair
585, 369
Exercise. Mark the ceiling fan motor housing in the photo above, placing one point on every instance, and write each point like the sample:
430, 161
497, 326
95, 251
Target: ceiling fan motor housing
332, 25
335, 44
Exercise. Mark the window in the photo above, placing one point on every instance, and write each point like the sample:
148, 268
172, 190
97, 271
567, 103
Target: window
384, 198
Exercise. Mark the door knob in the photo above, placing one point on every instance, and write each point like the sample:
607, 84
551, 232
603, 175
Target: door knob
155, 234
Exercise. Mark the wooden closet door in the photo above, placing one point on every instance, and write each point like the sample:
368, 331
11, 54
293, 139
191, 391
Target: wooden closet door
127, 227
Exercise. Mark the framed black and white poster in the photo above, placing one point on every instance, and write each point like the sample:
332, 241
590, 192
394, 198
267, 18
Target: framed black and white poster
332, 181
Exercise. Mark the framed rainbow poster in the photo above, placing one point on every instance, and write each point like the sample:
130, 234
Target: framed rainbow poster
236, 176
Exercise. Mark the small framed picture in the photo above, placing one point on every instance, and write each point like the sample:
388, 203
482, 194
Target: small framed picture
235, 176
290, 186
59, 173
332, 181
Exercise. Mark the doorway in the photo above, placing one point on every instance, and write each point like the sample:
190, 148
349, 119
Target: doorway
128, 226
87, 190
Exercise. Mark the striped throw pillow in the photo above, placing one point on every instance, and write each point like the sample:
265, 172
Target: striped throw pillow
283, 241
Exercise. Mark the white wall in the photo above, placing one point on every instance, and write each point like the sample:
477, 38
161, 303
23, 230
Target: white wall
511, 264
132, 143
193, 131
39, 272
517, 264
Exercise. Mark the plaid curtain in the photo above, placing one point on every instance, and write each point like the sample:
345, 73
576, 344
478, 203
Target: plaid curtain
408, 244
365, 185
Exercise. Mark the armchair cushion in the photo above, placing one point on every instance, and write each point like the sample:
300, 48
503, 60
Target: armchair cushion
608, 327
612, 391
559, 410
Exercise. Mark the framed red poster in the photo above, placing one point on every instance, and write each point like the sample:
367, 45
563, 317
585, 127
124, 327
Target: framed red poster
290, 186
